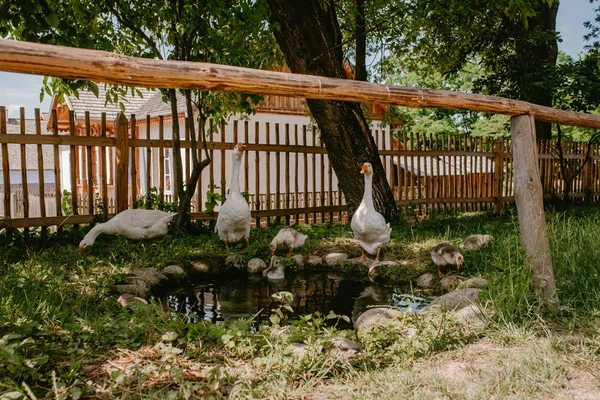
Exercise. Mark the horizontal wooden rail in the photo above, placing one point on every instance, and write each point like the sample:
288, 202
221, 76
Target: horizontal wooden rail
102, 66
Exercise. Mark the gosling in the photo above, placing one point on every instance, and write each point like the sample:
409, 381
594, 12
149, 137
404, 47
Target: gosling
445, 254
476, 242
290, 238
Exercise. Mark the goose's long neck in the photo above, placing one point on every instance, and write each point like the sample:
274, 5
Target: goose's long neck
235, 176
368, 196
96, 231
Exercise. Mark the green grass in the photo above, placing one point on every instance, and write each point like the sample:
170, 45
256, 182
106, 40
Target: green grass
61, 329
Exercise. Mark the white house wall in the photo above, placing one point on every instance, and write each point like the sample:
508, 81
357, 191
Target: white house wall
293, 122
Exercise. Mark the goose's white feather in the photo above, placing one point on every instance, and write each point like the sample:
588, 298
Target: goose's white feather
290, 238
368, 225
233, 221
136, 224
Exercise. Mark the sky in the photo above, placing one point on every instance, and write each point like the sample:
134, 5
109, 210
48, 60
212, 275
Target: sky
22, 90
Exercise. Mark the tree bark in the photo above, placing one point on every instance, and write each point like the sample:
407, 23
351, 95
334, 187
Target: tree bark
361, 41
530, 209
538, 52
310, 39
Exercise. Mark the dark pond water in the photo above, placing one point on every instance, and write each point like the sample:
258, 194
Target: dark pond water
223, 300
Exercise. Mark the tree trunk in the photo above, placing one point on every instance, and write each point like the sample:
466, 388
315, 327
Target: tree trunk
310, 39
539, 52
361, 41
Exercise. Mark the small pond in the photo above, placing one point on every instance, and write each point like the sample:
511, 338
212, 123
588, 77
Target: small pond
222, 300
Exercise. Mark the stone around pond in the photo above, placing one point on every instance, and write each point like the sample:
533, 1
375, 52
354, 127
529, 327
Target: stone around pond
475, 282
373, 317
472, 316
150, 276
334, 259
426, 281
205, 266
235, 261
129, 300
173, 272
298, 260
314, 261
342, 343
256, 266
451, 282
453, 300
140, 289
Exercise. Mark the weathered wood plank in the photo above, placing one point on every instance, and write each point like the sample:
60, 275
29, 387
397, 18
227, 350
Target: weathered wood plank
102, 66
530, 208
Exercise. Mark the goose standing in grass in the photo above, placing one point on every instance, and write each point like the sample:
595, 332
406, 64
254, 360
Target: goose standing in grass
476, 242
275, 270
445, 254
290, 238
136, 224
233, 221
369, 226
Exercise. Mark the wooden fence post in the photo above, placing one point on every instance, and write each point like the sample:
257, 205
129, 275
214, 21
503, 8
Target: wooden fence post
122, 151
5, 163
530, 208
588, 176
498, 175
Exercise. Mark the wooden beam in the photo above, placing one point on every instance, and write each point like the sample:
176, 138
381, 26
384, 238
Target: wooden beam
102, 66
530, 208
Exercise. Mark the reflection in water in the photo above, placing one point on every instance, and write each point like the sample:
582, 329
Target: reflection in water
226, 300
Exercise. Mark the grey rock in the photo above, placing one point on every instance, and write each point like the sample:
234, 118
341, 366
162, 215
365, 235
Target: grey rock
471, 316
129, 300
454, 300
451, 282
205, 266
256, 266
173, 272
343, 343
314, 261
298, 260
333, 259
426, 281
140, 289
236, 262
299, 349
475, 282
376, 317
151, 276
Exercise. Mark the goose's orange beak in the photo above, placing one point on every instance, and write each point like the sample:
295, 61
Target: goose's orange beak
241, 147
364, 169
81, 250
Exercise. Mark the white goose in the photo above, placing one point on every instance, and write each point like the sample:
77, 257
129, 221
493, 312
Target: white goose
136, 224
233, 221
369, 226
290, 238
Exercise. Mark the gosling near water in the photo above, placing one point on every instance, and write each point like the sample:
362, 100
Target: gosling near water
476, 242
445, 254
275, 270
290, 238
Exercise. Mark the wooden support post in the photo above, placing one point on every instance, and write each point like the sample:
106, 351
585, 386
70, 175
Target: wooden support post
588, 175
5, 163
530, 208
122, 167
498, 175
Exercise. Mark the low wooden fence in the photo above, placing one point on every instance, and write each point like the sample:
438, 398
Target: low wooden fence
285, 172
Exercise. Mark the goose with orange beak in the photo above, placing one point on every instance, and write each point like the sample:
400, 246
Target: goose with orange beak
368, 225
233, 221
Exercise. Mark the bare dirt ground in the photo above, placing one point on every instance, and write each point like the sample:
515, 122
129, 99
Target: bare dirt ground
537, 368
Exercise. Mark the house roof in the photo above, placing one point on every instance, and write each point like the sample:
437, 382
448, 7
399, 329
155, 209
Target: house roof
155, 106
87, 101
13, 126
446, 165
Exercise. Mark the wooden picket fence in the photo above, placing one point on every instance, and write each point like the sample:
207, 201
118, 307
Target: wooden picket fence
285, 172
